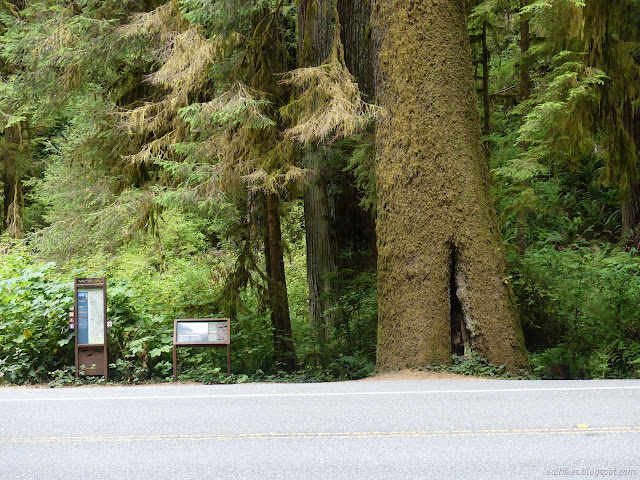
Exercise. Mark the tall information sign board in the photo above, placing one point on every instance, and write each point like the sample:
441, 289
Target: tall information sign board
90, 313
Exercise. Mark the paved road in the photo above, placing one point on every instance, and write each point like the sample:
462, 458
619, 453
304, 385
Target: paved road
357, 430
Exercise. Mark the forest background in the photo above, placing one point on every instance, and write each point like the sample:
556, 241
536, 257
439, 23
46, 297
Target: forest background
193, 152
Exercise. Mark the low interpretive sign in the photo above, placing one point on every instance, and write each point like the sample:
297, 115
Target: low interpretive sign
201, 332
215, 331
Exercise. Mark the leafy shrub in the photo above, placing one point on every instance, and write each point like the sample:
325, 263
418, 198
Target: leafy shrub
580, 306
477, 365
34, 334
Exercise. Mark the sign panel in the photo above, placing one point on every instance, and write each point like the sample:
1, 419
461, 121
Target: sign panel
91, 316
202, 331
82, 332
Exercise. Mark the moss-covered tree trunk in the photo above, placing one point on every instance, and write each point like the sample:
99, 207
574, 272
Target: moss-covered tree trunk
631, 213
486, 97
284, 351
442, 279
525, 44
322, 249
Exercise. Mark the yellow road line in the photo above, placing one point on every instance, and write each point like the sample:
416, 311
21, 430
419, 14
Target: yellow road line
306, 435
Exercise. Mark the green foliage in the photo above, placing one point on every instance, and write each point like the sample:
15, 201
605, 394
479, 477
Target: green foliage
34, 334
145, 166
580, 308
355, 313
476, 365
64, 377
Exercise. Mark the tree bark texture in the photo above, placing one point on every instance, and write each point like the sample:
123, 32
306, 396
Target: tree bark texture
322, 247
438, 239
631, 213
355, 226
486, 98
355, 18
333, 217
284, 350
315, 31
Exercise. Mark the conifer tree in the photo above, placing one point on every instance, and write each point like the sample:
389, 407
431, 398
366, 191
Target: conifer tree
315, 37
585, 101
216, 130
334, 220
13, 142
67, 100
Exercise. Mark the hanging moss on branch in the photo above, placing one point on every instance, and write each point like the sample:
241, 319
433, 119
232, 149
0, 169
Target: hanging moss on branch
330, 104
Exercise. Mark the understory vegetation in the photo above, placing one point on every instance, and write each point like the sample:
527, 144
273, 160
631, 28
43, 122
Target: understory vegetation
178, 167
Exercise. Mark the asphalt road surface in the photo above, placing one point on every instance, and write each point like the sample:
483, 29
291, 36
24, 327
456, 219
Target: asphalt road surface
436, 429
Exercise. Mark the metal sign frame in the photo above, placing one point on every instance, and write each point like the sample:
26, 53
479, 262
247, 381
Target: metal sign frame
90, 353
198, 340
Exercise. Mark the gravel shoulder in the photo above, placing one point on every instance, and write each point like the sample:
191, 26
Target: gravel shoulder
400, 375
408, 374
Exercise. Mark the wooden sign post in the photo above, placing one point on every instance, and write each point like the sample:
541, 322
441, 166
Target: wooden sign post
90, 315
201, 332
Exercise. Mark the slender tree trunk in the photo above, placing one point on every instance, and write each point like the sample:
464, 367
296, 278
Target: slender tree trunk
12, 192
9, 187
284, 350
438, 239
525, 44
630, 204
525, 93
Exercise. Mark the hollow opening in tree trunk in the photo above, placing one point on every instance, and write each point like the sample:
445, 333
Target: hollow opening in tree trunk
460, 337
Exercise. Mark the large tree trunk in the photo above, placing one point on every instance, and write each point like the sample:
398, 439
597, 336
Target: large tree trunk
322, 248
356, 227
631, 213
314, 44
284, 350
442, 278
334, 219
315, 31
